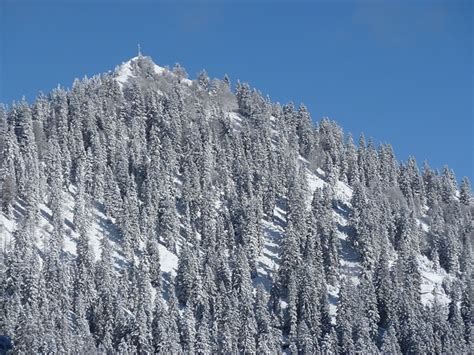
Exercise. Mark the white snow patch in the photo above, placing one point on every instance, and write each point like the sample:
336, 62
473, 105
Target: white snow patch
431, 282
234, 116
236, 119
423, 226
168, 260
302, 159
314, 182
270, 253
333, 295
124, 72
187, 82
158, 70
7, 227
343, 192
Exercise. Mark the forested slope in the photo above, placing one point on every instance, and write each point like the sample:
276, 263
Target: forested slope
145, 212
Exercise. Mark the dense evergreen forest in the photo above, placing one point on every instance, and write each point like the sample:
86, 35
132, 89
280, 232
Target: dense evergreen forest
144, 212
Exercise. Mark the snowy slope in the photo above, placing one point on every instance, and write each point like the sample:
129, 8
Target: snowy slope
431, 282
268, 261
273, 228
168, 260
274, 232
101, 226
7, 227
349, 259
124, 72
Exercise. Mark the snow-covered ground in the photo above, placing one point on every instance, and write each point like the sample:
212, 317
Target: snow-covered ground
168, 260
125, 71
431, 281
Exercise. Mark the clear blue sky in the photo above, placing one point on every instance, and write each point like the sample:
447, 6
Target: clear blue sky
401, 72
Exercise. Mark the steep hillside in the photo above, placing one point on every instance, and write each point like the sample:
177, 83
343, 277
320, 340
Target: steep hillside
146, 212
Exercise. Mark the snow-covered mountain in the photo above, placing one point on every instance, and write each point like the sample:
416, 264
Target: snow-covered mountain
146, 212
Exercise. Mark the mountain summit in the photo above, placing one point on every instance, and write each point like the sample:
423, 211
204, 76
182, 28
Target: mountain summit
144, 67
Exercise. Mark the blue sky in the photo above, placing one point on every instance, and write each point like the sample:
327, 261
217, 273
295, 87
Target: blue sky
402, 72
